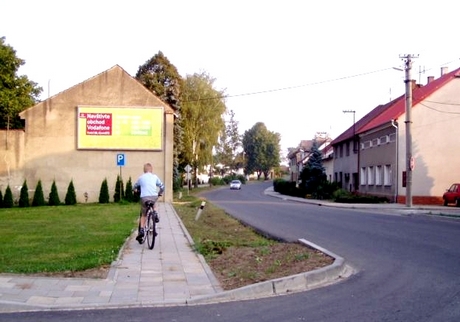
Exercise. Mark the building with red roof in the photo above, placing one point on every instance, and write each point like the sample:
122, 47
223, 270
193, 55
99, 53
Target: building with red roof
370, 156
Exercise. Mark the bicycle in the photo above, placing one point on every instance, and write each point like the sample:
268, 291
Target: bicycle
150, 228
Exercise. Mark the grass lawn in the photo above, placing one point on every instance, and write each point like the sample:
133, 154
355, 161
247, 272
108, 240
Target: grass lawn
63, 238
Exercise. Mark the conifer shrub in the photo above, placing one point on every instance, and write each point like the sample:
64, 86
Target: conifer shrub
39, 197
70, 197
129, 196
8, 200
24, 196
104, 192
118, 196
1, 199
54, 195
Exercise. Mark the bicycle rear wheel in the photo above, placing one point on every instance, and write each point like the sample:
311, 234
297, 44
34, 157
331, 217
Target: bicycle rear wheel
151, 231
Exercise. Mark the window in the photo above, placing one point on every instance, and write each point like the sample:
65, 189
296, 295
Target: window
367, 145
347, 151
387, 175
375, 142
341, 150
392, 137
378, 175
384, 139
362, 176
370, 175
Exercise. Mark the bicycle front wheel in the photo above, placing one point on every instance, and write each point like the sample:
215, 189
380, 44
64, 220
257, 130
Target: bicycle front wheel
151, 231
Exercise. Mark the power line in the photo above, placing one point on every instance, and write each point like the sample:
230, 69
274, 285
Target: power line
305, 85
291, 87
439, 111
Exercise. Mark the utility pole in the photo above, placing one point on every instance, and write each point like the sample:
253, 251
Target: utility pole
409, 158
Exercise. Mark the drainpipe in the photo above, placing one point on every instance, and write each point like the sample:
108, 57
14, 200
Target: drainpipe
395, 125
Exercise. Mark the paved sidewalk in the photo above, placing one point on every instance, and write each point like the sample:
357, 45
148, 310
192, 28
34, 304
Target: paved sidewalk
170, 274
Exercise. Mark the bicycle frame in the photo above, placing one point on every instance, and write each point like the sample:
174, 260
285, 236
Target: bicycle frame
150, 231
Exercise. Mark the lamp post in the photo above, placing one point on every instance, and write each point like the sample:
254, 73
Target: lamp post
354, 131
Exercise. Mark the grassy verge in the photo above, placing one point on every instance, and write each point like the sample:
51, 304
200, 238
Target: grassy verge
215, 231
63, 238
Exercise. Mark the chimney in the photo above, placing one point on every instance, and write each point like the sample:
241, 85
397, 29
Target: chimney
413, 84
443, 70
429, 79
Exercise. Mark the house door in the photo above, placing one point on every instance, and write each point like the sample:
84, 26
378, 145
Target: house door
355, 181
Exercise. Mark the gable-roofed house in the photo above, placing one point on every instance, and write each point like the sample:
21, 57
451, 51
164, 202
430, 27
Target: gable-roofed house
79, 135
380, 162
296, 156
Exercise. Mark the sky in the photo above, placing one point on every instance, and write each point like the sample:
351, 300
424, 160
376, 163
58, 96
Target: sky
294, 65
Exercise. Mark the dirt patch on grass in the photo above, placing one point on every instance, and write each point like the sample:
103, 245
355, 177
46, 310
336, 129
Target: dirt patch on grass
237, 267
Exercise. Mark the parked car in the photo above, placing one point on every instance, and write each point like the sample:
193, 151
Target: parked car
452, 195
235, 184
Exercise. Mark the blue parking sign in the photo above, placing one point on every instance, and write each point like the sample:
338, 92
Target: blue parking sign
120, 159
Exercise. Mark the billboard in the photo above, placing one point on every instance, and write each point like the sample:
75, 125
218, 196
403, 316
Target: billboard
119, 128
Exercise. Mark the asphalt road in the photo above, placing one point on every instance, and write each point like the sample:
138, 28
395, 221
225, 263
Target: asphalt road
407, 267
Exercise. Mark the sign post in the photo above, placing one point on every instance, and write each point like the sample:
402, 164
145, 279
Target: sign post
121, 162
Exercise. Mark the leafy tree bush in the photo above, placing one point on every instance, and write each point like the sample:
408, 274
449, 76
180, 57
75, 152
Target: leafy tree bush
1, 199
104, 192
288, 188
24, 196
129, 196
216, 181
54, 195
39, 198
17, 91
8, 200
345, 196
70, 197
118, 196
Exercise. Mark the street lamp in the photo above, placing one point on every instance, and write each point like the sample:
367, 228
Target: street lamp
354, 130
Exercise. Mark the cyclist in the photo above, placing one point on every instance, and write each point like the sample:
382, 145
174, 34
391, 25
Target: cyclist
151, 187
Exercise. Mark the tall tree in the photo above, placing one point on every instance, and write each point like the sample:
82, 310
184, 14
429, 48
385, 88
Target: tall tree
162, 78
262, 150
16, 92
229, 144
203, 108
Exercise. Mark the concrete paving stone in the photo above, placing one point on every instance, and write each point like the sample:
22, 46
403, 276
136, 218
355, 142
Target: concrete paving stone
33, 292
78, 288
85, 294
13, 298
60, 293
68, 300
95, 300
6, 285
13, 290
41, 300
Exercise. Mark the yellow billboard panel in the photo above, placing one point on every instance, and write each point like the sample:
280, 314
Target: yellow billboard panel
119, 128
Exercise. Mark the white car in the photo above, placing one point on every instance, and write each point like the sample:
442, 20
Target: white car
235, 184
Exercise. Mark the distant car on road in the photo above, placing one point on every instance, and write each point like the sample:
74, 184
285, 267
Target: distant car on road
235, 184
452, 195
